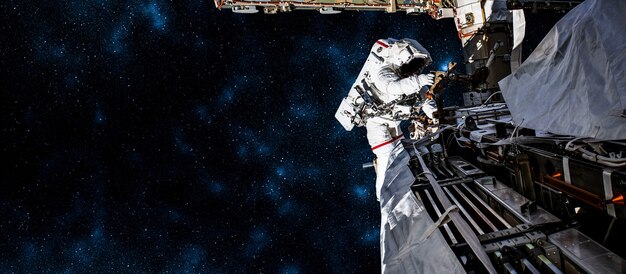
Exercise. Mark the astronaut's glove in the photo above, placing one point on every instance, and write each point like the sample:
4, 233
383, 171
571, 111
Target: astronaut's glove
425, 80
429, 107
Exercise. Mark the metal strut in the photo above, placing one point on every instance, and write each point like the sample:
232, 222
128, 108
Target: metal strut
463, 227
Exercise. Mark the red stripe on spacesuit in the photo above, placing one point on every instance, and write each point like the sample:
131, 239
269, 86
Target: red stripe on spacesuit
382, 44
388, 142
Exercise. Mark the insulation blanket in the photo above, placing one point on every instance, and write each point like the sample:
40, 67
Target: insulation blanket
574, 82
407, 242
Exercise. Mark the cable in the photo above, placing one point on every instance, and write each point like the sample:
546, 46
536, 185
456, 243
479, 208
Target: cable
567, 146
514, 130
594, 157
489, 98
606, 163
591, 156
602, 158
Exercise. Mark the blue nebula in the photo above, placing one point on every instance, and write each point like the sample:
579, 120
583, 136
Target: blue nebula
117, 44
97, 234
202, 112
85, 9
290, 269
50, 51
263, 149
259, 240
227, 96
58, 51
250, 145
242, 152
213, 185
311, 172
192, 258
28, 251
361, 192
286, 207
304, 112
272, 190
216, 187
281, 171
336, 54
153, 11
81, 252
181, 143
370, 236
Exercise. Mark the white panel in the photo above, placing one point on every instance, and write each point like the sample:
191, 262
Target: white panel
608, 191
519, 30
461, 3
566, 174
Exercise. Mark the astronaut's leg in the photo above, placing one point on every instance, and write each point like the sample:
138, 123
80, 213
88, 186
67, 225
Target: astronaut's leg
382, 136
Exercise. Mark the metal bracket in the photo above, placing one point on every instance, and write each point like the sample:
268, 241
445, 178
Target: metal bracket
608, 191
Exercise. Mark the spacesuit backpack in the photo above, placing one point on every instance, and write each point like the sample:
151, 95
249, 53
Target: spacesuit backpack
353, 108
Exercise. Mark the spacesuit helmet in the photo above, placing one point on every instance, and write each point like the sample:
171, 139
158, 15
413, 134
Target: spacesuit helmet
408, 56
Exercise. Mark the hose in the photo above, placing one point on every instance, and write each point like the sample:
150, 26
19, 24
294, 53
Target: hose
602, 158
489, 98
594, 156
610, 164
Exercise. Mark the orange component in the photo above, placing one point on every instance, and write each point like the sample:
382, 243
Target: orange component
557, 174
460, 29
618, 200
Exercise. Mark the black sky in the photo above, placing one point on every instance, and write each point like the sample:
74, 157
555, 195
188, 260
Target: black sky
157, 136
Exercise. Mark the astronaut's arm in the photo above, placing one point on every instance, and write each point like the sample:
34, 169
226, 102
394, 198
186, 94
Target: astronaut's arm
391, 83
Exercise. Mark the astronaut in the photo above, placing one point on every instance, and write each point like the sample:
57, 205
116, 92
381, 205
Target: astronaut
398, 77
390, 76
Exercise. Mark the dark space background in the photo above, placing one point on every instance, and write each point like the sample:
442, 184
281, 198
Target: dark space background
169, 137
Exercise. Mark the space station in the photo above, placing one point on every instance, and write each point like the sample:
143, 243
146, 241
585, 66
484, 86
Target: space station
529, 174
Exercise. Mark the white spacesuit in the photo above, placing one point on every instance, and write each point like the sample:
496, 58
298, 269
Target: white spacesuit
390, 75
398, 76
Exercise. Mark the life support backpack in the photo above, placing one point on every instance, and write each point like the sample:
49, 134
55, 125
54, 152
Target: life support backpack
361, 99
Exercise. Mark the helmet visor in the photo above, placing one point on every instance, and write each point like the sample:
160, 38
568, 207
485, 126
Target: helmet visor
415, 66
